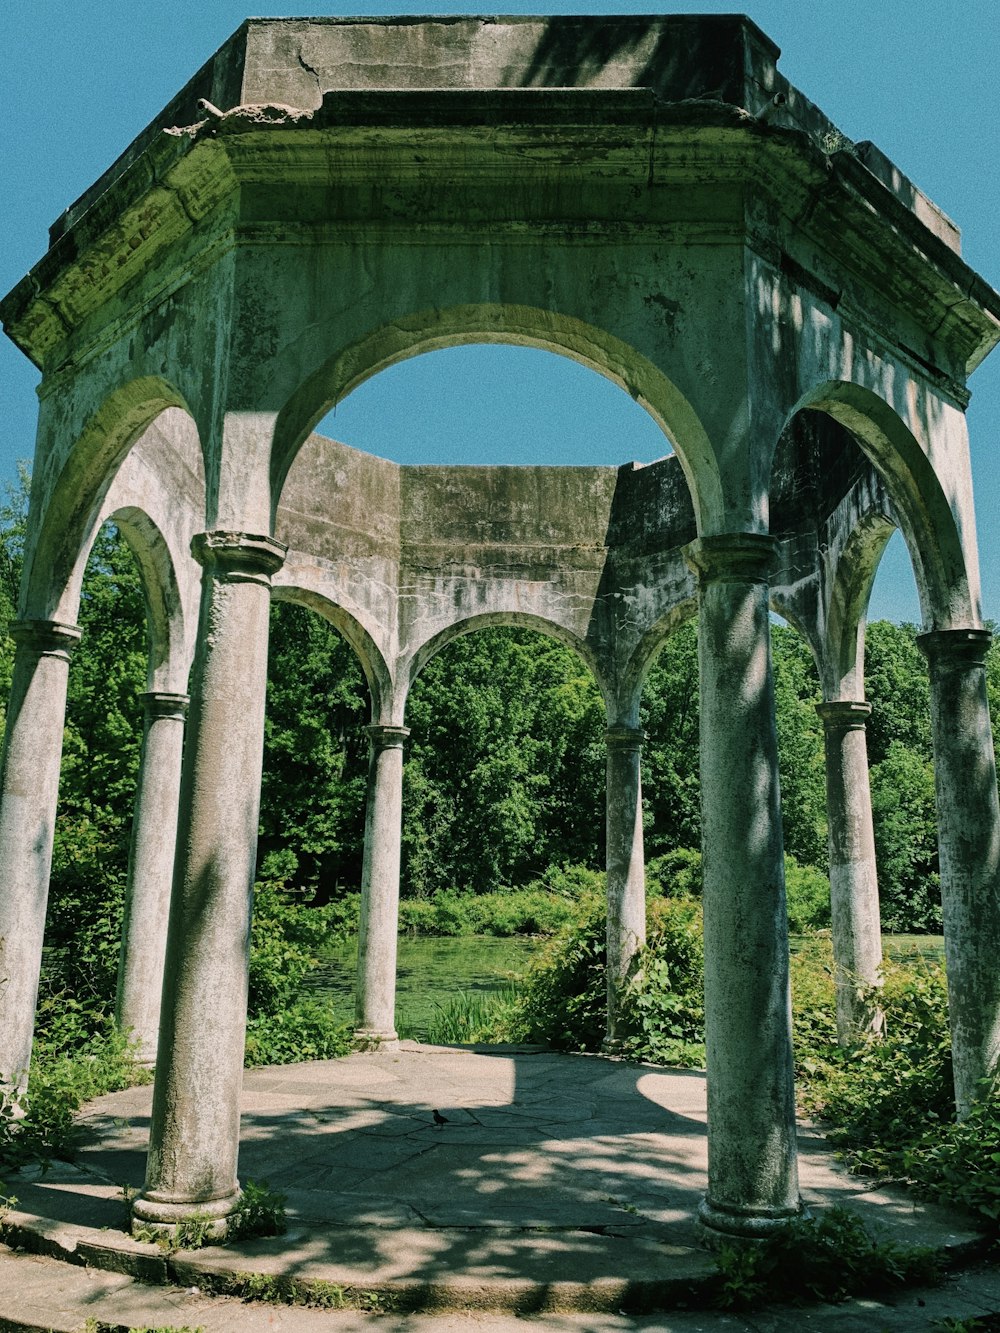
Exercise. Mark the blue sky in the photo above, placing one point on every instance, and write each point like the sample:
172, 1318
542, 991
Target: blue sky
916, 76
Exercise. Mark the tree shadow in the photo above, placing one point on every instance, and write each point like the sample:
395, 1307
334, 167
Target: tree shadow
549, 1169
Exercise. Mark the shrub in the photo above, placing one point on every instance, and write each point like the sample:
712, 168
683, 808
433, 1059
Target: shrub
565, 993
826, 1258
890, 1103
576, 882
530, 911
305, 1029
808, 894
286, 941
663, 1011
72, 1061
881, 1095
534, 910
960, 1163
676, 874
814, 1017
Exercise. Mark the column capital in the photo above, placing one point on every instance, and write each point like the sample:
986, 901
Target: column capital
955, 649
158, 703
385, 737
48, 638
844, 714
624, 738
733, 557
238, 557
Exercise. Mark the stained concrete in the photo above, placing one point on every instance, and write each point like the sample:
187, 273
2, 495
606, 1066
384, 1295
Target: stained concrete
558, 1183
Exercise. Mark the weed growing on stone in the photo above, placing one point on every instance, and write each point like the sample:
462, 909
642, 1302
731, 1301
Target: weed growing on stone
989, 1323
192, 1233
271, 1289
260, 1211
827, 1258
98, 1326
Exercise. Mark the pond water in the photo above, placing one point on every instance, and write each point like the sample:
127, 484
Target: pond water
901, 947
430, 972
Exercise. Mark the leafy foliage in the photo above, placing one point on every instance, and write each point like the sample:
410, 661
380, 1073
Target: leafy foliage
671, 785
905, 820
827, 1258
563, 1001
506, 763
663, 1010
259, 1211
288, 935
801, 762
315, 754
74, 1059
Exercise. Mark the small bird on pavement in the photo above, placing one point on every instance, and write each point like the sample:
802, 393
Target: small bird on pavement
439, 1119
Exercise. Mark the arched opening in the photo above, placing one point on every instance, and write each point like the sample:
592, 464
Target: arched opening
495, 403
310, 845
146, 417
506, 727
833, 478
112, 860
865, 426
522, 330
503, 809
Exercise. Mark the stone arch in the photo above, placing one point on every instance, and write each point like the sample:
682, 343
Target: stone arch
847, 606
640, 663
168, 628
65, 508
431, 330
522, 620
373, 664
801, 624
927, 520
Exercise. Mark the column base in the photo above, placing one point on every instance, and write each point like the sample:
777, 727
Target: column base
385, 1039
164, 1216
612, 1045
719, 1224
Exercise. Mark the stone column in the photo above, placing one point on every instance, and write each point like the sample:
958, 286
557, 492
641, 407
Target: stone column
854, 910
752, 1168
379, 922
194, 1134
150, 871
969, 852
32, 751
626, 879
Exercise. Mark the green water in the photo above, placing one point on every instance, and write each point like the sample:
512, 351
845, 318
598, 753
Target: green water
901, 947
430, 972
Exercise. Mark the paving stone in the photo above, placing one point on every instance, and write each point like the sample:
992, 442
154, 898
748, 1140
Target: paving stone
541, 1189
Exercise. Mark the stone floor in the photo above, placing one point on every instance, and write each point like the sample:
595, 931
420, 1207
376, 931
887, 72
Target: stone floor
562, 1189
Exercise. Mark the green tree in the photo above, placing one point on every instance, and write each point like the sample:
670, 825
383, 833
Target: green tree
505, 774
671, 785
312, 807
897, 687
902, 778
905, 819
801, 758
100, 765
